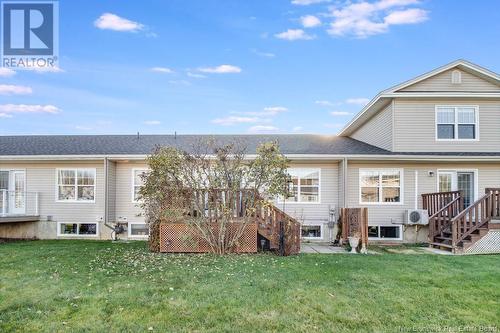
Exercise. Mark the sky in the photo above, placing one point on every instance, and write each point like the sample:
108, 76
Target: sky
237, 66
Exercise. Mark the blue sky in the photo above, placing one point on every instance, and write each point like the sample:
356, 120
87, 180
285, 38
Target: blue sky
237, 66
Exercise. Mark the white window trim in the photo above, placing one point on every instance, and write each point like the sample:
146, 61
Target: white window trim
59, 234
456, 139
312, 225
385, 238
129, 231
476, 179
401, 187
289, 202
133, 183
94, 170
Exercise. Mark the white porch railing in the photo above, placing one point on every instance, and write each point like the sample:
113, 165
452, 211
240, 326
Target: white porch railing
14, 203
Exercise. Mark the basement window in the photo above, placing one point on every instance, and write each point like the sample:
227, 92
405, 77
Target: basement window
311, 231
138, 230
381, 232
77, 229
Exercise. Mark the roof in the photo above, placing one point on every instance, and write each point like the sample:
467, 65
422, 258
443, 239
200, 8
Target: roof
53, 145
384, 98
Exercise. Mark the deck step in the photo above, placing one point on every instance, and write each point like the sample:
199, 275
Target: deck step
441, 245
443, 238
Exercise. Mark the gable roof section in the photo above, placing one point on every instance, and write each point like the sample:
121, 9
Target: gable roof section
385, 97
101, 145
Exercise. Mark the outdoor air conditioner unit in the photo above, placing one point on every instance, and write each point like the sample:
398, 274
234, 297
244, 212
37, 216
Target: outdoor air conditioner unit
417, 216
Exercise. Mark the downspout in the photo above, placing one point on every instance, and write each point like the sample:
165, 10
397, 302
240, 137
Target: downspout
106, 199
344, 174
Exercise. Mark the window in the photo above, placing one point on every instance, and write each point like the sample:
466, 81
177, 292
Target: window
138, 230
456, 122
311, 231
305, 185
137, 182
380, 186
76, 185
77, 229
385, 232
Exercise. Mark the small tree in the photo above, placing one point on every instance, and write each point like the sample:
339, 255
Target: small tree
203, 187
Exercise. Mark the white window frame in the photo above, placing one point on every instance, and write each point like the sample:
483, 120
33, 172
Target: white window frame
59, 234
134, 200
288, 202
381, 203
456, 107
94, 170
129, 231
312, 225
454, 179
385, 238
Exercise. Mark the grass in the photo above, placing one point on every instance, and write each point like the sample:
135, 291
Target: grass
73, 286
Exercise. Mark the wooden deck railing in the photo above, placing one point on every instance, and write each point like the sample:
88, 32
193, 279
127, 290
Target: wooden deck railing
471, 219
495, 202
434, 202
441, 219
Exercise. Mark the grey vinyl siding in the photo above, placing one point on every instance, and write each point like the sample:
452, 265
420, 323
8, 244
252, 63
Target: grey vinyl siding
488, 176
442, 82
415, 126
124, 205
378, 130
317, 213
41, 178
111, 190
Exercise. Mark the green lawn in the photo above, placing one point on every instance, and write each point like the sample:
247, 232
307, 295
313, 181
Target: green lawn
81, 285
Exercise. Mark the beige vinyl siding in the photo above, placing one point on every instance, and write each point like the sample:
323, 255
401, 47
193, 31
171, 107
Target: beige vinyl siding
41, 177
377, 131
111, 190
488, 176
415, 126
124, 205
317, 213
442, 82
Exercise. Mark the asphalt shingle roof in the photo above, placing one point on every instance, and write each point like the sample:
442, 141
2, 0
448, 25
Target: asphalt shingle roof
144, 144
54, 145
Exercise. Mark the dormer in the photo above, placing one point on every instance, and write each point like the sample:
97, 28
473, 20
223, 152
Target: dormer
454, 108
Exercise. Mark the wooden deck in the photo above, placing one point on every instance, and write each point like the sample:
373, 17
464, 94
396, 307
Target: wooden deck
19, 218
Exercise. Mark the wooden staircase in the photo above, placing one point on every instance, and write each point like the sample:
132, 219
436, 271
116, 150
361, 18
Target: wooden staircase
456, 228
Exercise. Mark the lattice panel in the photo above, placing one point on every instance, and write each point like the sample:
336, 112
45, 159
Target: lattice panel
490, 243
184, 238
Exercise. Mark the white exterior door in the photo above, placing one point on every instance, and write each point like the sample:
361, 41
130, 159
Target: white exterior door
462, 180
17, 192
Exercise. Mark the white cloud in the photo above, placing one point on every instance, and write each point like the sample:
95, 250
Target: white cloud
262, 129
310, 21
358, 101
264, 54
222, 69
42, 70
161, 70
294, 34
83, 128
5, 115
363, 19
274, 110
180, 82
7, 89
196, 76
269, 111
340, 113
307, 2
232, 120
109, 21
297, 129
152, 122
6, 72
25, 108
326, 103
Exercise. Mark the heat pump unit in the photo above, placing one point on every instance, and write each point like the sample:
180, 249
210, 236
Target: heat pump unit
417, 216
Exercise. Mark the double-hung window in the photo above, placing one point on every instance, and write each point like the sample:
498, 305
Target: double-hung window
380, 186
76, 185
456, 122
137, 182
305, 185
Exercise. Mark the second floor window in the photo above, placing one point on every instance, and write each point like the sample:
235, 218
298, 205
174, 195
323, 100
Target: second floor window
76, 184
456, 123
